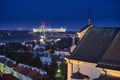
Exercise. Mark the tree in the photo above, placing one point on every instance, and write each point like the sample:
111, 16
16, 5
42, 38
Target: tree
36, 62
63, 68
64, 43
13, 46
51, 69
50, 48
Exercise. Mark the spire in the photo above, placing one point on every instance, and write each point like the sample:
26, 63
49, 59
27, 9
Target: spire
89, 17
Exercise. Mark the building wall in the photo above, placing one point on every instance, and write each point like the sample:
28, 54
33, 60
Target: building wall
110, 72
86, 68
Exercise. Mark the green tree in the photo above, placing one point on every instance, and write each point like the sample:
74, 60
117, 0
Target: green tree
36, 62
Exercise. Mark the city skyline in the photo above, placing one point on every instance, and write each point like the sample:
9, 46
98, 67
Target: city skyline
62, 13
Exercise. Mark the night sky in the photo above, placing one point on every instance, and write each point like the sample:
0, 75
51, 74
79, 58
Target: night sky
72, 14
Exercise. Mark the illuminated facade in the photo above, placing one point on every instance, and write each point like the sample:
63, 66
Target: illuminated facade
50, 30
42, 28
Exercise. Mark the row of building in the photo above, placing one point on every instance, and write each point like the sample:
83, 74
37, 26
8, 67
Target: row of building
20, 71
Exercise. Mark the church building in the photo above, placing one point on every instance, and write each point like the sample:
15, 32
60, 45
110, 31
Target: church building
96, 56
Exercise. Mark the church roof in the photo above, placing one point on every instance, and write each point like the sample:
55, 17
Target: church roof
111, 58
99, 45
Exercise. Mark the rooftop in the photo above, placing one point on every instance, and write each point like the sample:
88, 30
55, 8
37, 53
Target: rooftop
7, 77
111, 58
26, 70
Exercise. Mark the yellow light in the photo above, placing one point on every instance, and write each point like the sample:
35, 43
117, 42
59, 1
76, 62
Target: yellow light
58, 70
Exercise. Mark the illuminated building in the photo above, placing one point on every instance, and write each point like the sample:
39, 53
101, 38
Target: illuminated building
46, 32
46, 29
97, 54
50, 30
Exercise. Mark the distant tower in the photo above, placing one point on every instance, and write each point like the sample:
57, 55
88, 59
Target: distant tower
43, 28
42, 35
89, 17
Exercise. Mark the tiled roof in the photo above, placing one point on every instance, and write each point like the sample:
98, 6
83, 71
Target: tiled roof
11, 63
26, 70
19, 68
7, 61
2, 59
7, 77
34, 74
30, 71
94, 43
